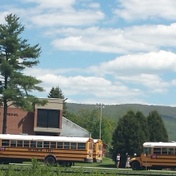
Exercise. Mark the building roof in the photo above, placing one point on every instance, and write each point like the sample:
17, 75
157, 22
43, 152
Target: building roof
70, 128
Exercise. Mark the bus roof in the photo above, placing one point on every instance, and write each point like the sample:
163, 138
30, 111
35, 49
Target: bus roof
159, 144
44, 138
97, 140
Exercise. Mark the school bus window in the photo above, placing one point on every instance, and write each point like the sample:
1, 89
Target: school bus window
171, 151
164, 151
13, 143
33, 143
5, 143
157, 150
66, 145
147, 150
46, 144
19, 143
26, 143
60, 145
81, 146
39, 144
53, 144
73, 145
100, 147
91, 146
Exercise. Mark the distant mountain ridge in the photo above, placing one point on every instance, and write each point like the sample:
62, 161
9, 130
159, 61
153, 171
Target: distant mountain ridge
168, 113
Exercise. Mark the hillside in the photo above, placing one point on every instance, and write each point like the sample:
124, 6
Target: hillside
116, 111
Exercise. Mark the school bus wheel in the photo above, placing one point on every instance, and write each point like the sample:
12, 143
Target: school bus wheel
50, 160
135, 165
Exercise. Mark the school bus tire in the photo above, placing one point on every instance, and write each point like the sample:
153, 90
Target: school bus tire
50, 160
69, 164
135, 165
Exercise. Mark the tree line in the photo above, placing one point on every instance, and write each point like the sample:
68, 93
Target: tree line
133, 130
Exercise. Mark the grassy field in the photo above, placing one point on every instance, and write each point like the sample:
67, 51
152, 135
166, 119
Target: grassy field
39, 169
107, 162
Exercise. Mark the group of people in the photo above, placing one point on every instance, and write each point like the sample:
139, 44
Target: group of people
118, 161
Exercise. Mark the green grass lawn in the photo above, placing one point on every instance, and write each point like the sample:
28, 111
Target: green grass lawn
107, 162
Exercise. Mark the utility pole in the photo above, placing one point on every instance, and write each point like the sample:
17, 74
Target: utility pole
101, 106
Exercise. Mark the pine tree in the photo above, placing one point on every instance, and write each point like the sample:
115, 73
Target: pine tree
157, 130
129, 135
57, 93
16, 55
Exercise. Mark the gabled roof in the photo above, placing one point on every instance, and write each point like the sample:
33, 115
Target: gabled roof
70, 128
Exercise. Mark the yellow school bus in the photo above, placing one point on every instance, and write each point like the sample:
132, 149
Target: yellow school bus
156, 155
50, 149
98, 150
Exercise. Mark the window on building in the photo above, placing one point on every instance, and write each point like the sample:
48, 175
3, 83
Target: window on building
48, 118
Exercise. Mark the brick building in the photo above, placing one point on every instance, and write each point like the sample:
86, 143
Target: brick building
46, 120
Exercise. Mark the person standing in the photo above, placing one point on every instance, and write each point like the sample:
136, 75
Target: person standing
128, 162
118, 160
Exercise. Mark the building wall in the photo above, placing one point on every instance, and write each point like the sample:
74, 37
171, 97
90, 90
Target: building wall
55, 104
18, 121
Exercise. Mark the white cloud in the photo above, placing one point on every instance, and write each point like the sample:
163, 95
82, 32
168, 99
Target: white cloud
127, 40
73, 18
125, 79
93, 88
146, 9
132, 75
47, 13
48, 4
154, 83
153, 62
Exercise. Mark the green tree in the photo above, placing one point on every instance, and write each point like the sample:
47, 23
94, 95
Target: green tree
89, 119
129, 135
144, 133
57, 93
157, 130
16, 55
108, 126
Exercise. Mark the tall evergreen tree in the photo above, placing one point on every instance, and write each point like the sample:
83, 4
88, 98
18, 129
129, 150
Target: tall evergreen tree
129, 136
57, 93
143, 126
16, 55
157, 130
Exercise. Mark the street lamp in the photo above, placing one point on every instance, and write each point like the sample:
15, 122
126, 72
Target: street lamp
101, 106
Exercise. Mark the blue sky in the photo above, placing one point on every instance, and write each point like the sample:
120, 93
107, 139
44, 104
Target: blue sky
102, 51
